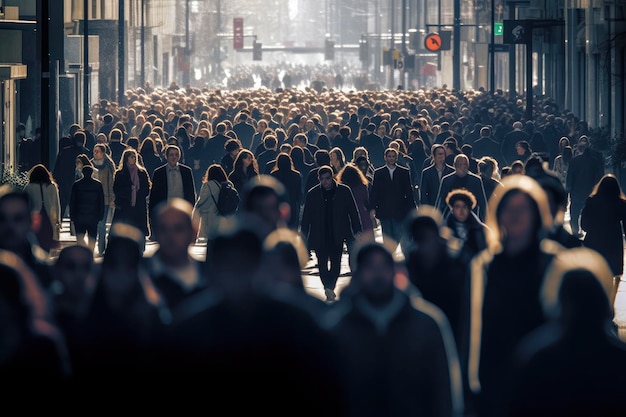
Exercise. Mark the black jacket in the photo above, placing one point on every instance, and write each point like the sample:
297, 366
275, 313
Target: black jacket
392, 198
158, 193
87, 201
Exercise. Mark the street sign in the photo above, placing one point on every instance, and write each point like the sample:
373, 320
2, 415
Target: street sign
432, 42
498, 28
517, 31
237, 33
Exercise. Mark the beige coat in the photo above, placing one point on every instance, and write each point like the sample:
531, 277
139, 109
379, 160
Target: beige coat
206, 209
52, 204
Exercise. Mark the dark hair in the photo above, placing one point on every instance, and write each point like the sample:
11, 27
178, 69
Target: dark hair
367, 250
283, 163
322, 157
463, 195
215, 172
39, 174
324, 169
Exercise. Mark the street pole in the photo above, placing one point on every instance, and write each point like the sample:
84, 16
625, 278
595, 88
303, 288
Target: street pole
186, 75
392, 15
492, 63
528, 114
456, 56
121, 53
405, 52
86, 72
142, 78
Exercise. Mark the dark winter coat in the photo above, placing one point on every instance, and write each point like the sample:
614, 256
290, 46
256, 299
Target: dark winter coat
392, 198
158, 193
87, 201
400, 369
603, 221
346, 222
472, 183
137, 215
429, 184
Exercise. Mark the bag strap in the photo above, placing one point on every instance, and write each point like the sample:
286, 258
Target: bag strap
42, 199
211, 192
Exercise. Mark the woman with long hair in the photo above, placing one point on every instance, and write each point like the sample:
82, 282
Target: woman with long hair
244, 169
206, 204
150, 155
354, 178
105, 173
285, 172
602, 218
131, 186
337, 159
44, 192
561, 163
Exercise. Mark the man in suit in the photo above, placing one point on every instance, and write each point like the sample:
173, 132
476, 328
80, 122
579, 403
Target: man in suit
374, 145
171, 180
431, 176
462, 178
391, 197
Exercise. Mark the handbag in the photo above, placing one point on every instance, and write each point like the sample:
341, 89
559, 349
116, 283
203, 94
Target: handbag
45, 233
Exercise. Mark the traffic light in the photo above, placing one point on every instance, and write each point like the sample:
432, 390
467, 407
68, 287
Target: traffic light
364, 50
329, 50
257, 51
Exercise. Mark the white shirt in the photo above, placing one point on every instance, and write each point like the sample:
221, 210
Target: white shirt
174, 182
391, 170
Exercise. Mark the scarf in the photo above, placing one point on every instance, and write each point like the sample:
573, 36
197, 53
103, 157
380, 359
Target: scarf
134, 179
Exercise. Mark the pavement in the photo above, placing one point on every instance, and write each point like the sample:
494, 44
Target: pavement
313, 283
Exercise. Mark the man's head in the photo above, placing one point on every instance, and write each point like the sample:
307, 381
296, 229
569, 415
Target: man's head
374, 273
391, 157
325, 176
176, 229
265, 198
172, 153
461, 165
15, 219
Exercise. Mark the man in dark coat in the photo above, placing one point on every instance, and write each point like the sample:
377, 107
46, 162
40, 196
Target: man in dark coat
87, 207
462, 178
374, 145
388, 338
584, 172
391, 197
342, 141
330, 219
171, 180
215, 145
431, 176
509, 141
487, 145
244, 130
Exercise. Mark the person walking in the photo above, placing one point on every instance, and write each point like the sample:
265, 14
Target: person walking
432, 175
131, 186
87, 207
330, 219
244, 168
171, 180
105, 170
602, 218
291, 179
43, 192
391, 197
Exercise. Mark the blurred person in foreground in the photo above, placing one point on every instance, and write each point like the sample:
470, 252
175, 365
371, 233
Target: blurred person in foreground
393, 339
574, 365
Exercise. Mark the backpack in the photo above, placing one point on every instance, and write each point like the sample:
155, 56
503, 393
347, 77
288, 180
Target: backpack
227, 201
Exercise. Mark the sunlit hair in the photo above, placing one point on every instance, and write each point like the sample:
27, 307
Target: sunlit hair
351, 175
39, 174
575, 259
514, 184
215, 172
128, 152
608, 187
461, 194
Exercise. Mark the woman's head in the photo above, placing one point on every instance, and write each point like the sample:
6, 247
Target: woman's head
519, 215
244, 159
129, 158
337, 157
40, 174
215, 172
351, 175
608, 187
284, 162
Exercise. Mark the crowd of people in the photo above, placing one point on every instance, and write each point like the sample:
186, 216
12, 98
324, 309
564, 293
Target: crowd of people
479, 300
